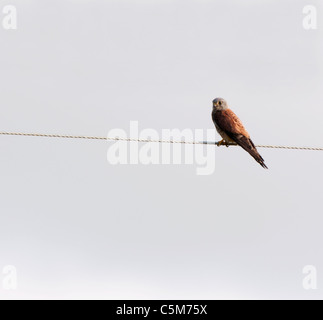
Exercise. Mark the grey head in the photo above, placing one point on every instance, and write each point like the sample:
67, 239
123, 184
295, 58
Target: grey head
220, 104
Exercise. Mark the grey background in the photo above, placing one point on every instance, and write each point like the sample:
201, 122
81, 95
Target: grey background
75, 226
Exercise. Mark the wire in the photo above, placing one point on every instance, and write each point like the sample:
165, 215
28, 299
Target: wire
61, 136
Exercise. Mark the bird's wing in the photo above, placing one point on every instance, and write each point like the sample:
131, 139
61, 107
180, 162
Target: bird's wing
234, 129
230, 123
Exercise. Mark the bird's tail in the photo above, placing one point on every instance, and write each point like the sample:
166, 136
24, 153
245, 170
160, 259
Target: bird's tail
255, 154
249, 146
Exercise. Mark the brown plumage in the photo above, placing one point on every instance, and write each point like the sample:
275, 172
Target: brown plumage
231, 129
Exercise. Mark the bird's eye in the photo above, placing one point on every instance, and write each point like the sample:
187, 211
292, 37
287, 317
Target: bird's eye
220, 102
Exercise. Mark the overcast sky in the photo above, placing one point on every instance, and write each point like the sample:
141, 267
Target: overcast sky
75, 226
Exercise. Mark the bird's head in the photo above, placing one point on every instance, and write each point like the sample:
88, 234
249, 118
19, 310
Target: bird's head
219, 104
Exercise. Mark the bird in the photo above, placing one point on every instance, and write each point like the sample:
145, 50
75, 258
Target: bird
231, 129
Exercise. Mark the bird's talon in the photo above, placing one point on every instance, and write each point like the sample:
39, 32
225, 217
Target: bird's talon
222, 142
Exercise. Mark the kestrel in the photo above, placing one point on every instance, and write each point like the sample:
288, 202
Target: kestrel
232, 130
